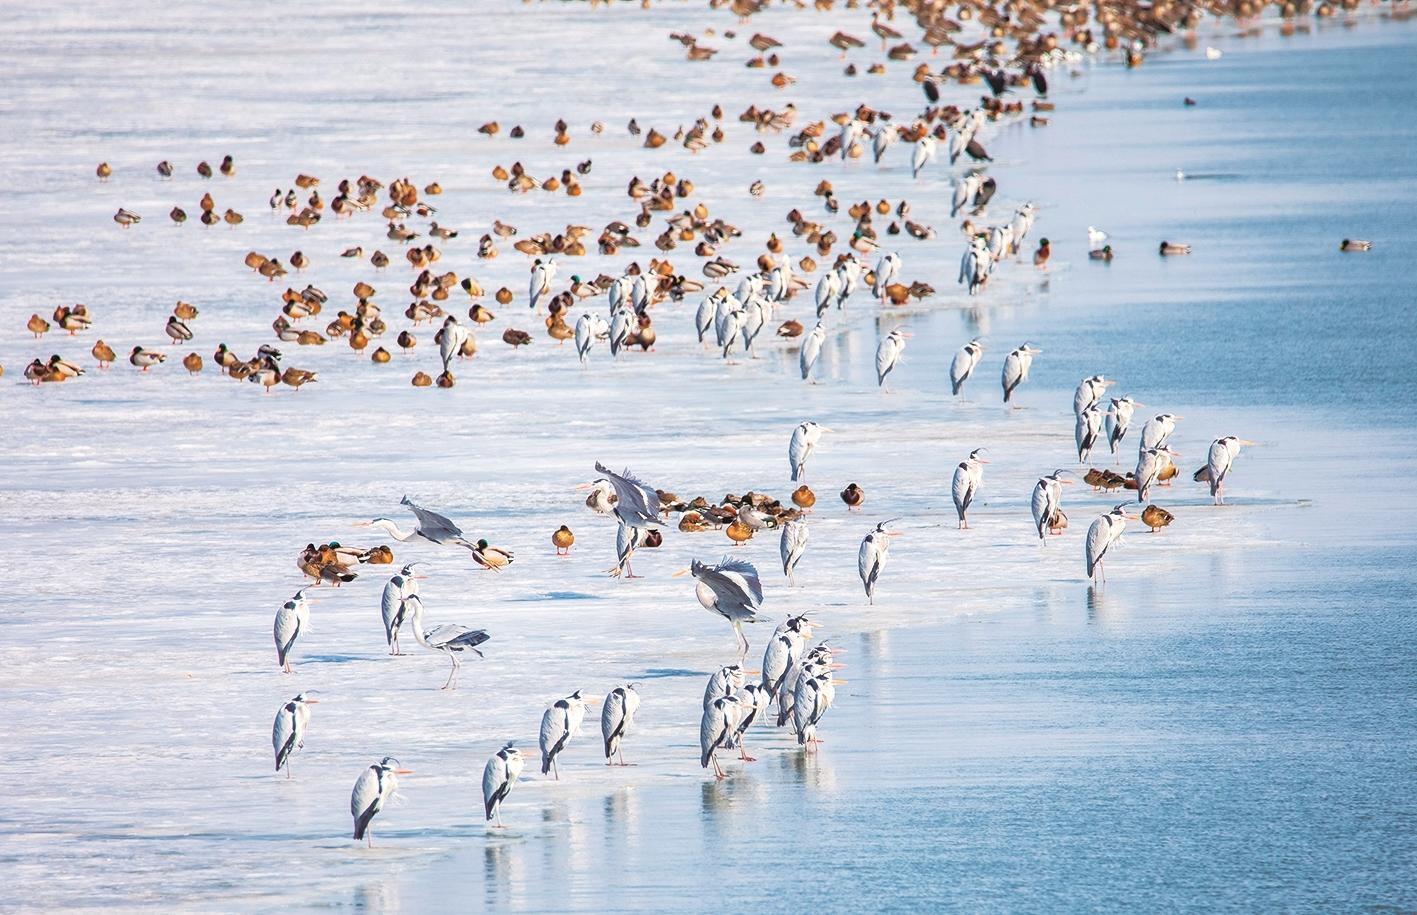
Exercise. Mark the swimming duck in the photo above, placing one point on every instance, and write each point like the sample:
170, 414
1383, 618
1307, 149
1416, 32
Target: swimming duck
1172, 248
1102, 254
144, 359
561, 539
853, 496
192, 363
1353, 244
1156, 517
491, 557
804, 498
103, 353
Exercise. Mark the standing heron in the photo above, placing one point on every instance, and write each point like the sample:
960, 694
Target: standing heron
1158, 431
964, 364
450, 638
430, 526
733, 591
1016, 366
288, 731
627, 540
292, 619
828, 288
706, 313
451, 340
1087, 430
811, 350
1150, 461
810, 701
975, 265
543, 273
753, 699
871, 558
1089, 392
924, 152
803, 443
1119, 419
395, 610
589, 328
1221, 458
602, 496
850, 272
373, 789
888, 354
559, 724
783, 653
726, 681
792, 546
499, 777
1047, 504
887, 271
636, 506
716, 730
1101, 534
617, 714
968, 477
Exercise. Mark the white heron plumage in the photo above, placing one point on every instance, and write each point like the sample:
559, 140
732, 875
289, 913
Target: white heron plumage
871, 557
1047, 503
964, 364
617, 716
812, 350
499, 777
1016, 366
964, 487
288, 730
559, 724
292, 621
792, 546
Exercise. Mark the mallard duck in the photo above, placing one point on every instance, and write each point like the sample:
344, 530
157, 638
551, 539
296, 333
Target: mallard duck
72, 321
1168, 249
1102, 254
296, 377
804, 498
103, 171
36, 371
103, 353
185, 311
853, 495
379, 260
1354, 244
204, 169
739, 532
1093, 478
1040, 257
356, 251
192, 363
37, 326
126, 218
480, 315
224, 358
516, 337
654, 539
232, 218
844, 42
407, 341
421, 380
561, 539
692, 522
144, 359
60, 370
299, 261
177, 215
264, 375
491, 557
380, 556
445, 379
177, 330
1156, 517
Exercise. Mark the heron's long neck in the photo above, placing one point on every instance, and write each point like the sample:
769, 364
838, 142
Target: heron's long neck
395, 531
417, 623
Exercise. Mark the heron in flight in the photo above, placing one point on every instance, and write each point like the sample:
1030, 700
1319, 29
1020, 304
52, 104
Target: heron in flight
1102, 533
1016, 366
431, 527
1047, 504
803, 443
499, 777
559, 724
732, 590
393, 607
716, 729
617, 714
1221, 458
872, 557
292, 620
373, 789
964, 364
288, 731
1119, 419
968, 477
449, 638
792, 546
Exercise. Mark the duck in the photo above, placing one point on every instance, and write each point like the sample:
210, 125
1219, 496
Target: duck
1101, 254
177, 330
126, 218
492, 557
480, 315
1168, 249
853, 495
177, 215
61, 370
1045, 250
1354, 244
445, 379
36, 371
103, 171
232, 218
558, 329
380, 555
406, 340
204, 169
804, 498
1156, 517
296, 377
561, 539
1093, 478
104, 354
192, 363
380, 356
224, 357
691, 522
37, 326
739, 532
72, 321
516, 337
422, 380
185, 310
145, 359
228, 166
265, 375
789, 329
654, 539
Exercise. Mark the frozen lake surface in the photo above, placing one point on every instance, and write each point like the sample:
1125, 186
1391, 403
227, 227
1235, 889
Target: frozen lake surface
1229, 724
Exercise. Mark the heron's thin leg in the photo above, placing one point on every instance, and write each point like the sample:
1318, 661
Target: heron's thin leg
555, 770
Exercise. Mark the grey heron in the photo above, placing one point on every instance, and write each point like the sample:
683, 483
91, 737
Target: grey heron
1119, 419
924, 152
430, 526
1158, 431
1101, 534
800, 447
1219, 460
394, 610
559, 724
968, 477
871, 558
1149, 465
792, 546
636, 502
627, 540
783, 653
617, 715
589, 328
1087, 430
602, 496
499, 777
810, 701
975, 265
964, 364
372, 790
732, 590
451, 339
450, 638
1090, 390
292, 620
752, 699
887, 271
543, 273
850, 271
716, 728
828, 288
888, 354
1047, 503
811, 350
1016, 366
724, 682
288, 730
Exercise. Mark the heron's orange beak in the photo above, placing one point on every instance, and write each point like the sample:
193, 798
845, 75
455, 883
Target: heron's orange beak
583, 486
312, 701
680, 574
403, 771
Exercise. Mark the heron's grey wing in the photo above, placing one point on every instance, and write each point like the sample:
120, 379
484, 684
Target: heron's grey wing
797, 451
494, 776
1217, 464
632, 493
434, 526
1096, 543
1039, 502
747, 572
612, 719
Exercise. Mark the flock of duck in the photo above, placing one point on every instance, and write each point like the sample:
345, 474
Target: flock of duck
1016, 47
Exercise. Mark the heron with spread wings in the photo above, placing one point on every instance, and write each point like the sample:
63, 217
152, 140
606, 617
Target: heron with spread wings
431, 526
636, 507
732, 590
